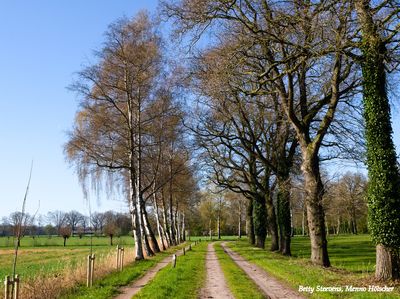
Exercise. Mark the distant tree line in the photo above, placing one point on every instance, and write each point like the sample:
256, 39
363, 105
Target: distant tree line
73, 223
344, 203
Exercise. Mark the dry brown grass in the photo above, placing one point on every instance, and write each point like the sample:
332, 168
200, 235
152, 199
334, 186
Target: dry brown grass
45, 285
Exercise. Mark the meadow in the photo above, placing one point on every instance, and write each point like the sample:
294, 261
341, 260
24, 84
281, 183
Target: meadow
49, 241
352, 258
43, 256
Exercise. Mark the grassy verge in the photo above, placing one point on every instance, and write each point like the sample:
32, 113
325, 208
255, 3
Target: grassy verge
350, 257
109, 285
184, 281
241, 286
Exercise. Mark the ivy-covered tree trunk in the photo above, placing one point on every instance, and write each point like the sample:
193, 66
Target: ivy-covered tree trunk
284, 217
250, 223
260, 224
271, 222
384, 178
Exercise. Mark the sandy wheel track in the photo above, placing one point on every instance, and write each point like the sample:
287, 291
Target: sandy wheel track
271, 287
215, 286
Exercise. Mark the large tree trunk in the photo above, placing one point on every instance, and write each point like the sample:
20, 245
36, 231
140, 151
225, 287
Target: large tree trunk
159, 227
172, 231
134, 208
284, 216
158, 223
178, 226
210, 228
354, 220
219, 227
303, 221
250, 223
240, 221
387, 263
163, 237
165, 221
260, 221
150, 233
271, 222
315, 212
137, 236
384, 177
146, 244
183, 227
171, 220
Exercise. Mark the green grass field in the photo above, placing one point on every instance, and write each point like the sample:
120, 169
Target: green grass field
45, 241
182, 282
355, 253
44, 255
352, 258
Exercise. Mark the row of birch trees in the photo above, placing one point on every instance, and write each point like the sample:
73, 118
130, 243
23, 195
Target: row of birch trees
127, 136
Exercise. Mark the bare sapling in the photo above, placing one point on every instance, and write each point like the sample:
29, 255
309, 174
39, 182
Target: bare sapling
14, 282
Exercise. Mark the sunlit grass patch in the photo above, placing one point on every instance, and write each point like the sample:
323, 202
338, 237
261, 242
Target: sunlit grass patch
184, 281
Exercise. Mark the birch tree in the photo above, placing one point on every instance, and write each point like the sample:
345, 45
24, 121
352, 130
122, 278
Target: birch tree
119, 96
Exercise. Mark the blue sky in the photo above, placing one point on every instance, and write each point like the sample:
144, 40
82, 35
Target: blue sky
42, 44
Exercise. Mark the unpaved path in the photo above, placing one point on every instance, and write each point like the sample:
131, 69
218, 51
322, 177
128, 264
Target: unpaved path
268, 284
216, 286
132, 289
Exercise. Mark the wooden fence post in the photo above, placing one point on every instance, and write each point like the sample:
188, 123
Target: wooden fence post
184, 251
6, 286
173, 260
88, 270
13, 292
122, 258
16, 286
92, 271
190, 246
117, 257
